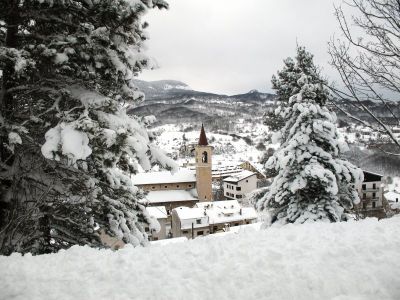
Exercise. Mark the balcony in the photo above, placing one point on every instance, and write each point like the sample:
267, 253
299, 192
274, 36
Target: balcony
370, 190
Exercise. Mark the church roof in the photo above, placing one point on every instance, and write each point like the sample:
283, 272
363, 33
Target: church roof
166, 196
203, 139
182, 175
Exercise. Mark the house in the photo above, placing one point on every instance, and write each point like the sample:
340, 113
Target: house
371, 194
225, 214
393, 198
160, 214
189, 222
240, 184
210, 217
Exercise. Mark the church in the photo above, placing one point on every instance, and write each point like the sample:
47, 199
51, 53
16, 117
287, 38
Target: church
186, 187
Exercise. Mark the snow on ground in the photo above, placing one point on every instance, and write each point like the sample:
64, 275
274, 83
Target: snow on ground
354, 260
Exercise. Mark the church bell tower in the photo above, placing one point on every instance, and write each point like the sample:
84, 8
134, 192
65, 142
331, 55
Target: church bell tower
203, 153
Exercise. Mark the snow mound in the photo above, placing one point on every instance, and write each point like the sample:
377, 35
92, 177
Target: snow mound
353, 260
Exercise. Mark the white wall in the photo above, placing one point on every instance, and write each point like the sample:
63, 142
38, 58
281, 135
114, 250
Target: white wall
246, 186
367, 194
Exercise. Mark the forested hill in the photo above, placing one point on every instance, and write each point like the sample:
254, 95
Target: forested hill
174, 101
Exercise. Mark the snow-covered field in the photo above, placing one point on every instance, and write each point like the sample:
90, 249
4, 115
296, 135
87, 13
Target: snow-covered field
354, 260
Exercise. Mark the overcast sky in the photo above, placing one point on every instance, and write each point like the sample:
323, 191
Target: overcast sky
233, 46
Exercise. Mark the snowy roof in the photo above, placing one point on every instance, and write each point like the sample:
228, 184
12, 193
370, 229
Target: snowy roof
191, 217
226, 211
182, 175
171, 196
158, 212
186, 213
392, 196
240, 176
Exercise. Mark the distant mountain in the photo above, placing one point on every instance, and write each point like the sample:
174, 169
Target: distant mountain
254, 95
172, 100
156, 89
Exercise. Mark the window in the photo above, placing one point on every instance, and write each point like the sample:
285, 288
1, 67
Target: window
215, 228
200, 233
153, 187
364, 205
236, 224
238, 188
247, 180
364, 195
189, 185
146, 229
204, 157
238, 196
397, 199
373, 204
166, 186
177, 185
374, 186
374, 195
364, 186
198, 221
185, 231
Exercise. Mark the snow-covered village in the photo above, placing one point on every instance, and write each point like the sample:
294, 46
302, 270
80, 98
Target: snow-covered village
182, 149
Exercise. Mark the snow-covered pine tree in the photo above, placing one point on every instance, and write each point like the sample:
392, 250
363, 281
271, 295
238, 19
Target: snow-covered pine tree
313, 182
285, 84
67, 146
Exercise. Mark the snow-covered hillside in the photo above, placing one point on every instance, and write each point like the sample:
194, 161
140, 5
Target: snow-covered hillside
354, 260
233, 148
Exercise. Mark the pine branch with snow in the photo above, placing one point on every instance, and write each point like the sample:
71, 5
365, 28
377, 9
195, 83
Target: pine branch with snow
67, 145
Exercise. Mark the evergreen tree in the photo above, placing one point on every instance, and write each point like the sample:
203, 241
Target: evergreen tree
285, 84
67, 146
313, 182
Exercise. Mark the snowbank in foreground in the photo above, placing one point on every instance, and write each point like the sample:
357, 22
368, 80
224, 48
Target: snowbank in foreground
357, 260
